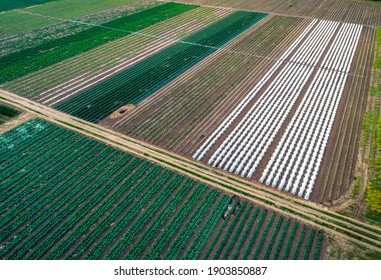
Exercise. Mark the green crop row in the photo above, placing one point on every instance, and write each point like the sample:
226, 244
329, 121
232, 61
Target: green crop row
318, 245
300, 241
134, 191
22, 171
198, 244
121, 197
41, 212
216, 237
263, 238
308, 246
281, 239
237, 233
243, 238
147, 237
173, 226
12, 144
191, 225
119, 247
142, 79
22, 206
93, 196
22, 161
72, 219
27, 195
272, 239
286, 252
53, 215
255, 234
53, 51
132, 179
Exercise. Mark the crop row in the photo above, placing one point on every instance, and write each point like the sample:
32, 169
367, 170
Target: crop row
230, 230
198, 244
119, 247
142, 79
181, 240
166, 234
296, 161
48, 217
122, 197
135, 188
238, 232
92, 201
71, 218
76, 72
243, 149
28, 60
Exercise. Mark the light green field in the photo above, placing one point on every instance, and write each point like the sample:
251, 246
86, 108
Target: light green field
15, 21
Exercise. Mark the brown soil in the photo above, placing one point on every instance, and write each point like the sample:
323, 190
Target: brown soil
117, 115
339, 161
348, 11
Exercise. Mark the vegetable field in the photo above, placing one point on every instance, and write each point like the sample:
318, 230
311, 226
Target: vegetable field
53, 51
16, 4
142, 79
272, 94
76, 198
50, 84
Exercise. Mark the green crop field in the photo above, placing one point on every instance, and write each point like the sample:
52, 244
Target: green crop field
17, 21
16, 4
7, 113
65, 196
28, 60
142, 79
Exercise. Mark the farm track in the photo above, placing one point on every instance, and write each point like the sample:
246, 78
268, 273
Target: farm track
349, 228
337, 10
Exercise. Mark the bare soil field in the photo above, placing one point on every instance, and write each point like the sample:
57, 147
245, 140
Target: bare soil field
338, 167
338, 10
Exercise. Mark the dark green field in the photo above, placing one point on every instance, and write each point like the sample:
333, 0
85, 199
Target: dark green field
16, 4
7, 113
65, 196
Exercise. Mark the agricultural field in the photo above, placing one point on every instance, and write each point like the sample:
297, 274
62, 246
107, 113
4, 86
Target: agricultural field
15, 4
61, 202
259, 101
7, 113
23, 20
244, 138
359, 12
239, 102
27, 60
